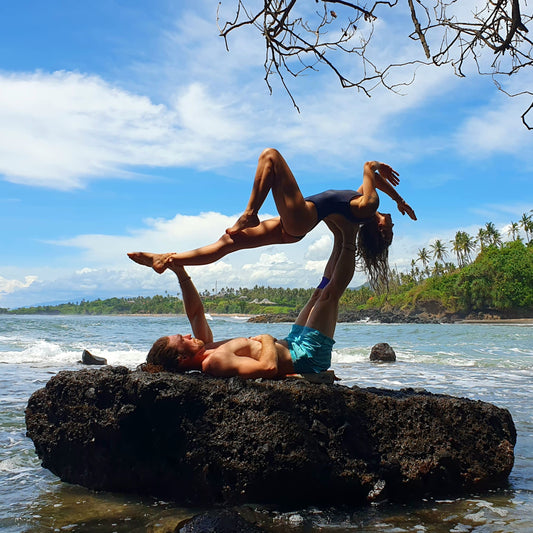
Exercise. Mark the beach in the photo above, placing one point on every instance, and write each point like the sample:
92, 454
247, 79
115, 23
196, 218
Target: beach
486, 361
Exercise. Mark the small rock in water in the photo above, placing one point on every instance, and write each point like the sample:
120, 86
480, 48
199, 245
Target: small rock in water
382, 352
87, 358
219, 521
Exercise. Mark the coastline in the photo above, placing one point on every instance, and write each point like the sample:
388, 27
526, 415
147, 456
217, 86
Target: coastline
385, 317
398, 317
499, 321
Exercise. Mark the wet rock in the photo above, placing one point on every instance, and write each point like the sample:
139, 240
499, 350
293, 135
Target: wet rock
218, 521
196, 438
382, 352
87, 358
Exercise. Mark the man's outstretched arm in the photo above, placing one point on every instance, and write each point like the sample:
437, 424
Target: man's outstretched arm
193, 305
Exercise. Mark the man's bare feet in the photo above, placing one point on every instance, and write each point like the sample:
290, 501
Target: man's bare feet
159, 262
243, 222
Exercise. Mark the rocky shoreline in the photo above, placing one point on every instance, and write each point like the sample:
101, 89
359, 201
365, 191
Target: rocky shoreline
427, 314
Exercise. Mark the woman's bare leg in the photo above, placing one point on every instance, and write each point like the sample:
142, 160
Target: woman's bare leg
159, 262
273, 174
267, 232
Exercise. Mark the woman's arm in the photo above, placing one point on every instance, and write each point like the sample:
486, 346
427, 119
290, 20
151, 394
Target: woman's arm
385, 179
367, 204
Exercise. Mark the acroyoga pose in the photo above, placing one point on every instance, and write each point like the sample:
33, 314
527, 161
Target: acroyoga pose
306, 350
299, 215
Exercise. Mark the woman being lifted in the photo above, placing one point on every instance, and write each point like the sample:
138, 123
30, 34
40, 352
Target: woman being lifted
299, 215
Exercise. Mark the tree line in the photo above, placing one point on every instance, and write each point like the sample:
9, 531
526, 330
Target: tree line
490, 274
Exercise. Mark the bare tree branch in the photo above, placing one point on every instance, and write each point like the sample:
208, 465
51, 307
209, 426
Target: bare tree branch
294, 44
418, 29
526, 124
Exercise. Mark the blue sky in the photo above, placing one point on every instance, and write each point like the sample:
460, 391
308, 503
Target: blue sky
126, 125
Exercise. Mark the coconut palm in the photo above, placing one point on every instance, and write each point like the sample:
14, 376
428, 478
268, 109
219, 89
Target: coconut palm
514, 231
423, 257
494, 237
482, 238
415, 271
457, 247
527, 225
439, 250
468, 246
463, 245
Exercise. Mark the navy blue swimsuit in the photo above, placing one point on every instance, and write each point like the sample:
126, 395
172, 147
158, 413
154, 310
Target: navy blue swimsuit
338, 202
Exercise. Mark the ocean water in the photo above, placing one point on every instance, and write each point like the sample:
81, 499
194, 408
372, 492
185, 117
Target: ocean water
493, 363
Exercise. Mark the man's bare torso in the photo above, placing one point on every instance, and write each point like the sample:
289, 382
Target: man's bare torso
249, 347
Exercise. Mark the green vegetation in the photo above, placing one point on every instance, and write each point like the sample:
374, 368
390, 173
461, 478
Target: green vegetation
112, 306
499, 280
254, 301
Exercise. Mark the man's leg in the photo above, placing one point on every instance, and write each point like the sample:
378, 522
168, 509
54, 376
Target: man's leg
323, 314
328, 272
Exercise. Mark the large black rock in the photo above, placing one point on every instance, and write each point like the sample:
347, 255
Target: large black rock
196, 438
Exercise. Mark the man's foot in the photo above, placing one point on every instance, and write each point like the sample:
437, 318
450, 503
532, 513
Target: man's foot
159, 262
243, 222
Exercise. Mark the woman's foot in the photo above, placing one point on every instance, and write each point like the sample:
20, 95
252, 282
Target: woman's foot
159, 262
243, 222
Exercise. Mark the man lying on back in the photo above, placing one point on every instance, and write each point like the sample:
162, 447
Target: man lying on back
307, 349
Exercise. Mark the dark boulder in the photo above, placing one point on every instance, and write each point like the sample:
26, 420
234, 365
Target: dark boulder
87, 358
196, 438
382, 352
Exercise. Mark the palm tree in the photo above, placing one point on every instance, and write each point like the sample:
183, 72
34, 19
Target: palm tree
529, 230
493, 235
527, 225
469, 244
423, 257
457, 248
463, 245
415, 271
514, 231
439, 250
482, 238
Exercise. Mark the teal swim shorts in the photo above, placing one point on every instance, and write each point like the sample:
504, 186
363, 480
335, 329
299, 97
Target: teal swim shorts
310, 350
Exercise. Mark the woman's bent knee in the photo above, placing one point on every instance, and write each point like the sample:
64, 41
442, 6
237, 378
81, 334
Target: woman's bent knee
270, 154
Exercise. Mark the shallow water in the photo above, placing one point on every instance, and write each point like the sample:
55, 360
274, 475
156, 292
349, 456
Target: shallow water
492, 363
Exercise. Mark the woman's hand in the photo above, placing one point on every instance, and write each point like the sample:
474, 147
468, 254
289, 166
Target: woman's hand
404, 207
388, 173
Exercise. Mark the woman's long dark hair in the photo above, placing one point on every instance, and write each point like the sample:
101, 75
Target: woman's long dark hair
373, 250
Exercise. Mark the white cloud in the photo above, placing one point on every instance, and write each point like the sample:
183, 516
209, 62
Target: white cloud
502, 213
61, 129
58, 130
320, 249
496, 128
12, 285
158, 235
317, 267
